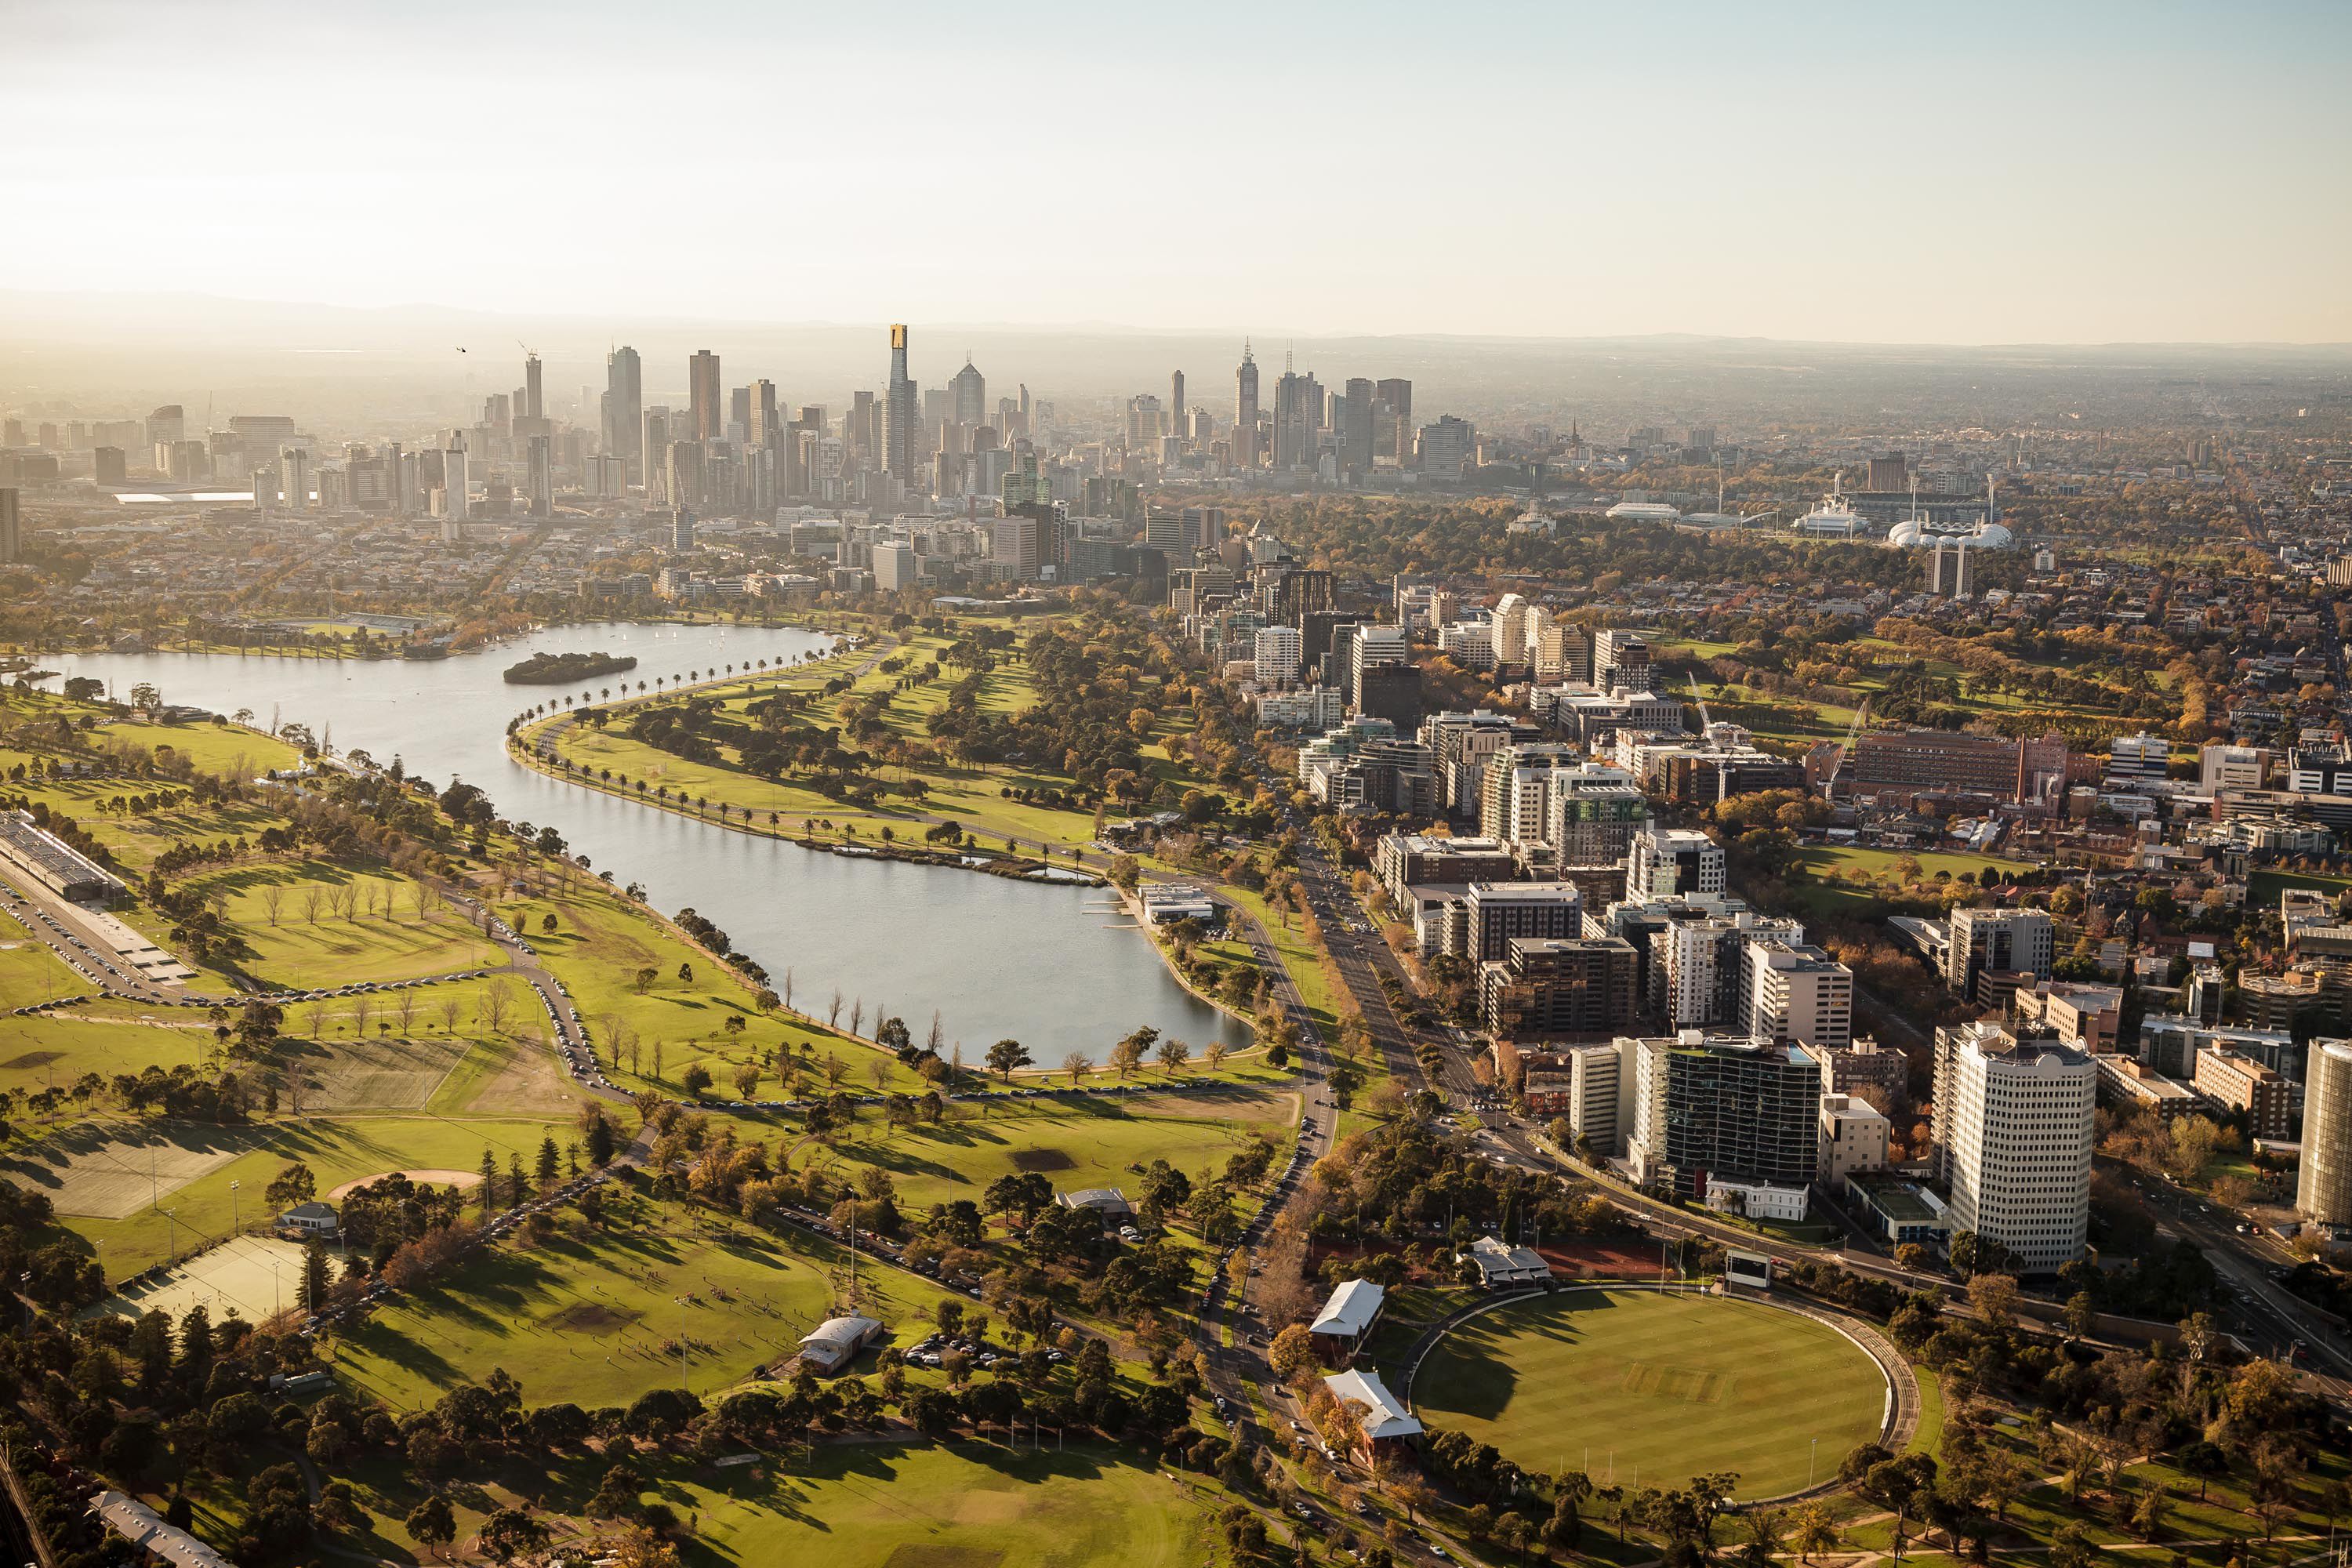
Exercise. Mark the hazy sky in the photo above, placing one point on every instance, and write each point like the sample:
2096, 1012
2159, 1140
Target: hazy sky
2054, 172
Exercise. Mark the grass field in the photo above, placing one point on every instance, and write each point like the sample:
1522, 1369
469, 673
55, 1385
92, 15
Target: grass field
1085, 1143
1625, 1381
376, 1074
57, 1049
111, 1171
597, 1318
970, 1506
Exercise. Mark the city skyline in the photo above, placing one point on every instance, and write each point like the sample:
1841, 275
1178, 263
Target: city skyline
1902, 180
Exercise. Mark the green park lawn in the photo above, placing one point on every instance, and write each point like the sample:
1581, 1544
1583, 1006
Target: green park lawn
30, 972
1096, 1143
967, 1506
305, 942
1624, 1382
57, 1049
226, 749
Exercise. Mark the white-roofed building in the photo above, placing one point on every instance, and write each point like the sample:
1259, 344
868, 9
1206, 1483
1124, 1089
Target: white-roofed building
143, 1527
1346, 1319
1101, 1200
834, 1343
1382, 1416
1502, 1266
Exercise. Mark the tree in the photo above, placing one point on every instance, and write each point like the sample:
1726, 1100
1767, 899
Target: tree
1078, 1065
1005, 1056
2071, 1546
432, 1522
292, 1185
1994, 1296
1815, 1529
509, 1532
1293, 1349
645, 977
1173, 1054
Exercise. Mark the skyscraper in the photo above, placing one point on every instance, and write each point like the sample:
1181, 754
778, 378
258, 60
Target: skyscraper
707, 411
1394, 437
2324, 1188
1245, 411
625, 408
901, 416
1356, 425
531, 403
12, 540
763, 422
1175, 425
971, 389
2012, 1133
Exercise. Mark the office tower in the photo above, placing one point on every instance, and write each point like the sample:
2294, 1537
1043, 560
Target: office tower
294, 477
653, 445
1393, 402
1794, 991
113, 468
682, 480
532, 405
901, 454
2012, 1133
12, 529
1670, 862
454, 483
969, 389
1357, 428
625, 408
540, 476
705, 411
1245, 454
165, 426
896, 565
1714, 1107
2323, 1192
761, 427
738, 413
1297, 416
1445, 448
1991, 951
1277, 652
12, 432
1175, 425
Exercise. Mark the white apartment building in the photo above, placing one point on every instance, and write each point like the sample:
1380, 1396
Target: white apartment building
896, 565
1470, 643
1278, 652
1854, 1139
2017, 1141
1795, 991
1316, 707
1666, 861
1593, 1092
1704, 965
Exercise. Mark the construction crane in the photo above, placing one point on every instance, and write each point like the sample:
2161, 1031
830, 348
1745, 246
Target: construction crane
1722, 783
1853, 730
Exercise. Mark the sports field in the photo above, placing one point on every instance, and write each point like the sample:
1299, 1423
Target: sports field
597, 1319
253, 1277
1640, 1387
379, 1074
1074, 1144
112, 1171
970, 1506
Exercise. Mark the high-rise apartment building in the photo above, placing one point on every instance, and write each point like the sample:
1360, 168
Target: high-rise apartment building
1794, 991
1991, 950
533, 400
901, 416
2012, 1133
1560, 988
294, 477
1716, 1106
1277, 652
1669, 862
12, 529
707, 404
2323, 1190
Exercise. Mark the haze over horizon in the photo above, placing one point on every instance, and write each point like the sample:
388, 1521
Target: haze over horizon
2091, 174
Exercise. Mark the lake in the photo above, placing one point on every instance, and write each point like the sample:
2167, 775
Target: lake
1051, 966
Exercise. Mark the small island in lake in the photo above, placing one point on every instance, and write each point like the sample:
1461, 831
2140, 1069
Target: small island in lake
562, 668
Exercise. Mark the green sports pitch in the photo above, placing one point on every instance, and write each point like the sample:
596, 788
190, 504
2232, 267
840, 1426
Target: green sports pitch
1646, 1389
